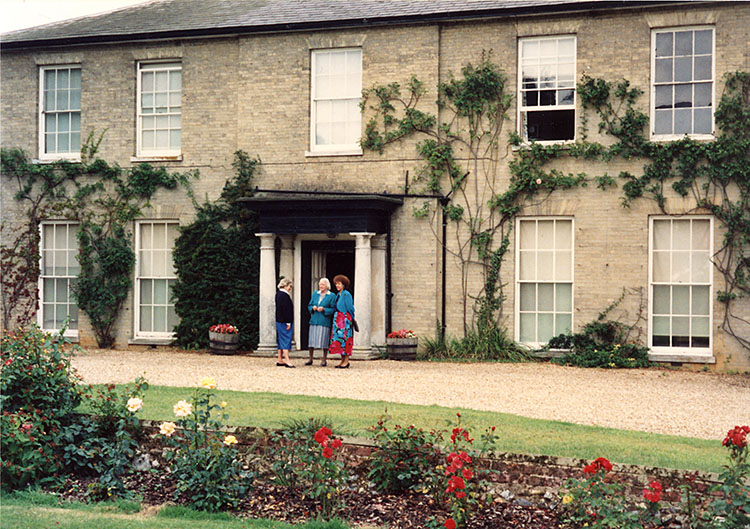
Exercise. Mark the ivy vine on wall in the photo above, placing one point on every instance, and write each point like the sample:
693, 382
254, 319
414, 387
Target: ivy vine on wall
104, 199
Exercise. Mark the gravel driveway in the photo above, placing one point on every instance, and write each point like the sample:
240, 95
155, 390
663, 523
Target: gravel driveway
683, 403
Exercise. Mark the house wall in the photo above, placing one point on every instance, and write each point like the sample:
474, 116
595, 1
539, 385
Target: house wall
253, 93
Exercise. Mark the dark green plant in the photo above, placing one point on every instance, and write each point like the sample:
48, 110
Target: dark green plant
209, 472
405, 459
601, 343
217, 262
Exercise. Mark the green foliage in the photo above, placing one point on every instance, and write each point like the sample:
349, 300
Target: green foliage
488, 344
209, 473
217, 261
104, 198
42, 435
601, 343
405, 459
303, 457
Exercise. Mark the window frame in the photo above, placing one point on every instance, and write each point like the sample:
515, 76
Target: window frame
137, 277
519, 282
522, 110
73, 156
652, 104
150, 66
69, 333
337, 149
689, 353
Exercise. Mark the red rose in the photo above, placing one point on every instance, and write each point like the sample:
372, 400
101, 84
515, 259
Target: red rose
465, 457
328, 452
336, 443
603, 463
460, 494
468, 473
589, 469
450, 524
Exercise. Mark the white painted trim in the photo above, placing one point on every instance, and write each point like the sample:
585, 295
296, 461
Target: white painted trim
517, 276
652, 89
330, 150
683, 353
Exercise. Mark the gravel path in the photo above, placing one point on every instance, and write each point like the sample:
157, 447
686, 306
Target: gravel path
682, 403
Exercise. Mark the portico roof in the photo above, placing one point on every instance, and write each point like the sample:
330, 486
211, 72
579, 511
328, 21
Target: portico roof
293, 212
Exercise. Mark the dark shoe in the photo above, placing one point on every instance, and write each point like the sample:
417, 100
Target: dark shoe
279, 364
343, 367
308, 363
288, 365
323, 363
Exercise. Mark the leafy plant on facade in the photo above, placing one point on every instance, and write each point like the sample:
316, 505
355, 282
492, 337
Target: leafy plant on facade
216, 262
104, 199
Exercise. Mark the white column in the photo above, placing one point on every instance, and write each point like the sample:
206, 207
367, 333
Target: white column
286, 269
377, 286
267, 293
362, 294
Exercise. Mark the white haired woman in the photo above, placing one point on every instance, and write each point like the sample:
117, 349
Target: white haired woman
284, 321
322, 306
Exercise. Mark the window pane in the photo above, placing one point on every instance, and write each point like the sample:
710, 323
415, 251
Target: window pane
681, 234
562, 324
663, 70
528, 234
75, 78
683, 43
73, 312
701, 267
545, 232
160, 319
664, 45
145, 323
48, 310
528, 297
680, 332
680, 300
75, 100
661, 331
147, 291
63, 77
175, 80
663, 123
702, 96
563, 297
661, 270
699, 326
683, 121
546, 327
661, 299
160, 292
702, 68
702, 121
61, 290
683, 69
683, 95
544, 266
563, 265
527, 265
527, 328
700, 300
545, 297
663, 98
680, 267
563, 234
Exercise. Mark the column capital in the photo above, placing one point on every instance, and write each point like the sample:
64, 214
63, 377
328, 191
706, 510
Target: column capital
266, 240
287, 241
363, 238
378, 242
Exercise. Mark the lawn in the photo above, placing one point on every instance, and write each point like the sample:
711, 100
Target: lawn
516, 434
36, 510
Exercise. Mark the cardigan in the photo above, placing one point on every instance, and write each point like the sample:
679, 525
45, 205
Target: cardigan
325, 318
284, 307
345, 302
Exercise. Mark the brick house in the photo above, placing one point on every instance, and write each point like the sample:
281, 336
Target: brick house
186, 83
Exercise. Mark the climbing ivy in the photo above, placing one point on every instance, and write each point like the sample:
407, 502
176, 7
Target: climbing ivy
104, 198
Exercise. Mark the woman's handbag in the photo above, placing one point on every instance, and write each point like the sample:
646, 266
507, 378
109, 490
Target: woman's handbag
355, 326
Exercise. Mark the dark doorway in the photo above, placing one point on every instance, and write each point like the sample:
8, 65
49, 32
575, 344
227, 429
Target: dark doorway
322, 258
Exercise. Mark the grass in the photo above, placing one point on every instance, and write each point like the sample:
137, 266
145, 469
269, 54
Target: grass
37, 510
516, 434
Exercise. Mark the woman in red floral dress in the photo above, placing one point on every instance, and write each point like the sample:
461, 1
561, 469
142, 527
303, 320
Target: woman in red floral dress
342, 331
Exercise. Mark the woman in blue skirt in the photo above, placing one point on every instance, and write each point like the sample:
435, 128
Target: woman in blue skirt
284, 321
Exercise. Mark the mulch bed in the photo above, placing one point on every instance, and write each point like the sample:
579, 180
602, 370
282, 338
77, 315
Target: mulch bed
362, 507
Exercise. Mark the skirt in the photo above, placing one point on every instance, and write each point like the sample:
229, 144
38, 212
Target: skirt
342, 334
284, 336
319, 337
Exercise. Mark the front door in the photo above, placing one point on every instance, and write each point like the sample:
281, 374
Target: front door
322, 259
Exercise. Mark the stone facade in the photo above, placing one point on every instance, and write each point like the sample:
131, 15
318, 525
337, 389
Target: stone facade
253, 93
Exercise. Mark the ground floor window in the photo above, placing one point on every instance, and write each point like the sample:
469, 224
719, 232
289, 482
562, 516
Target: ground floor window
680, 284
544, 279
155, 277
59, 270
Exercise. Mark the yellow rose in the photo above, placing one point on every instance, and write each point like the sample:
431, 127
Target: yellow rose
183, 408
135, 404
230, 440
167, 428
223, 404
208, 382
567, 499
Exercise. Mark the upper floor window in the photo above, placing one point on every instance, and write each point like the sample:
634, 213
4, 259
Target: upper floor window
547, 86
682, 82
59, 272
60, 112
159, 109
336, 121
544, 281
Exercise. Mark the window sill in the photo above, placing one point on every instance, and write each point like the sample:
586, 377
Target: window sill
664, 138
550, 353
143, 158
349, 152
686, 358
565, 144
151, 341
76, 159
